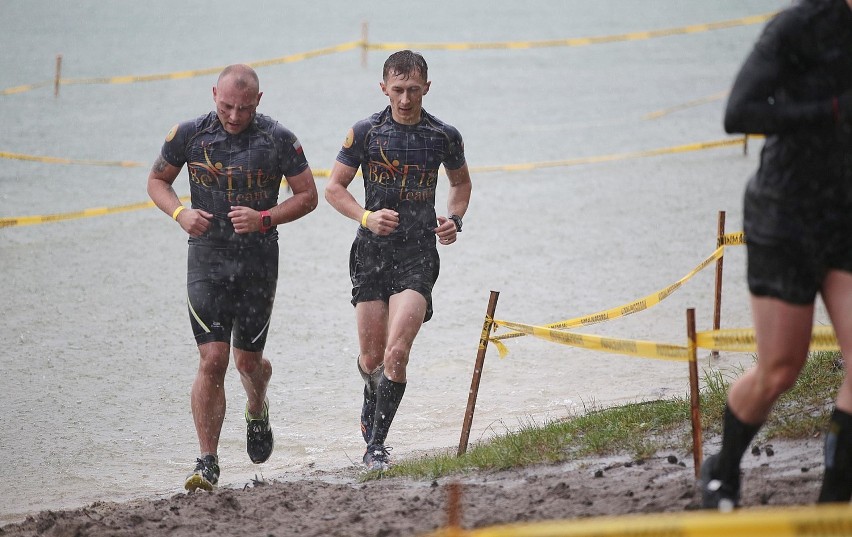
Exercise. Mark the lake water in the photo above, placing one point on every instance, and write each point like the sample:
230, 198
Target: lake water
97, 355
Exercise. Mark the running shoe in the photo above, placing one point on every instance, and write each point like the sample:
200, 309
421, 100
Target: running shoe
259, 441
377, 457
205, 476
716, 494
368, 413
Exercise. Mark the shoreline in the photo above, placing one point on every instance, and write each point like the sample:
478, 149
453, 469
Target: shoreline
335, 503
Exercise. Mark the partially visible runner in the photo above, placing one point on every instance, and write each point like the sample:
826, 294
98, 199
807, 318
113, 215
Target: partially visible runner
394, 261
236, 159
796, 88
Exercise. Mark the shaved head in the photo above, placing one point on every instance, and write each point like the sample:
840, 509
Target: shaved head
241, 75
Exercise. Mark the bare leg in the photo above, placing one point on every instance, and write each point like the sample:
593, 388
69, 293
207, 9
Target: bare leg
255, 372
405, 317
837, 479
208, 394
837, 295
783, 334
372, 318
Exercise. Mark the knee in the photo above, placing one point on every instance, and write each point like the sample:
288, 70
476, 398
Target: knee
252, 364
779, 380
213, 363
396, 357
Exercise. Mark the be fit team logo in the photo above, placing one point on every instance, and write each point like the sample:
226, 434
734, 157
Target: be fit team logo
414, 182
239, 185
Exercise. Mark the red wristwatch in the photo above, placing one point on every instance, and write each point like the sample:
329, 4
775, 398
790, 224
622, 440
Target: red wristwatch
265, 221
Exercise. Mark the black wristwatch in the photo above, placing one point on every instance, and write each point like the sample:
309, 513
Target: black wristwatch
458, 221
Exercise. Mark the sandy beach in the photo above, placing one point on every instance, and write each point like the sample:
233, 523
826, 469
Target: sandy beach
337, 504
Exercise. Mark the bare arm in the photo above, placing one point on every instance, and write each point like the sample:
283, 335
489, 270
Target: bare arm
160, 180
457, 201
337, 194
303, 201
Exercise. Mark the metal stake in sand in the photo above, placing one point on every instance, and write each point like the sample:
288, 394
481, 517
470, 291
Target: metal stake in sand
58, 76
717, 303
477, 372
694, 401
365, 30
453, 508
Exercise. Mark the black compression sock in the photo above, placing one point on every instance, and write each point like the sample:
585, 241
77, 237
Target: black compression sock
388, 397
736, 437
837, 480
371, 380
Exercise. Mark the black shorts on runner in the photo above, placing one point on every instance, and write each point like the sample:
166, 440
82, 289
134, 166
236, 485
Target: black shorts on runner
230, 293
380, 269
794, 271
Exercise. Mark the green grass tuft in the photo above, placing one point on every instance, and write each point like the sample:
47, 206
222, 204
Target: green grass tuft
638, 429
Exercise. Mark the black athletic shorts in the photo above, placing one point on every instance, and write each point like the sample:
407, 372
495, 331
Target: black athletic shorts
381, 269
793, 271
230, 293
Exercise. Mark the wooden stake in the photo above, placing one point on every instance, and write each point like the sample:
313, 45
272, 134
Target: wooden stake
717, 302
694, 400
365, 31
58, 76
477, 372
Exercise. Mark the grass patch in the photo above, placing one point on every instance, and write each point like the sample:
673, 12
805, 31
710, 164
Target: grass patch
639, 429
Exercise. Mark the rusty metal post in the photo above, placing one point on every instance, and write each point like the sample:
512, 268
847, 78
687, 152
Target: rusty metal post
694, 398
365, 30
57, 78
477, 372
717, 302
454, 512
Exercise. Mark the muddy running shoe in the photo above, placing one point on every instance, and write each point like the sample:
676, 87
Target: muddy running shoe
716, 494
259, 441
205, 476
376, 458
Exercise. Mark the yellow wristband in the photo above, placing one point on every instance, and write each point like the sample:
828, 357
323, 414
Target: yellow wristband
364, 218
177, 212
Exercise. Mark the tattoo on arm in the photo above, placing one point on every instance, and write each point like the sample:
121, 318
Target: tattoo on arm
159, 164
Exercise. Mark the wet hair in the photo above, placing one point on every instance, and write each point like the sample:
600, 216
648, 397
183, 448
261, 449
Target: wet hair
243, 75
405, 62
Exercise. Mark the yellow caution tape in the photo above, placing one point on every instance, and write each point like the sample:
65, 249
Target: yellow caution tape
620, 311
61, 160
576, 41
526, 166
824, 520
26, 87
85, 213
629, 347
697, 146
320, 172
729, 339
732, 239
343, 47
743, 339
187, 74
686, 105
